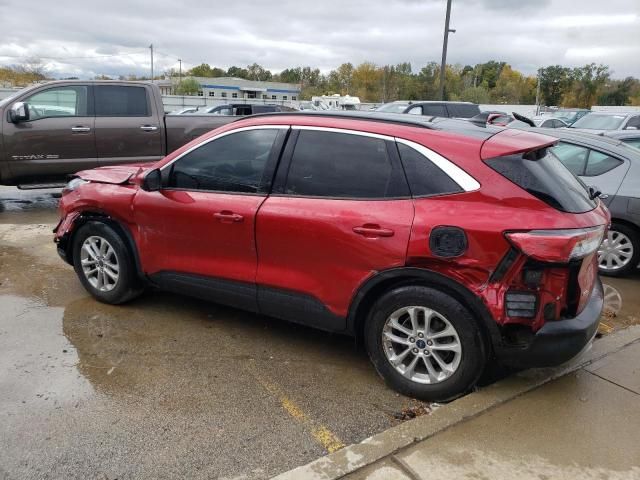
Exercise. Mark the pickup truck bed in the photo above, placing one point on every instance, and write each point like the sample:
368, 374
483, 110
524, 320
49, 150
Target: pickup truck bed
52, 130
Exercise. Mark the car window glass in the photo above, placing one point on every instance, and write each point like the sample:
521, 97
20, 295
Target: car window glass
435, 110
223, 111
121, 101
415, 111
233, 163
633, 122
425, 177
634, 142
58, 102
328, 164
463, 110
572, 156
600, 163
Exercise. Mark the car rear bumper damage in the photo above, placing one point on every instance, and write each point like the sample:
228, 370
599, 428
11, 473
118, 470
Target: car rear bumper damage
558, 341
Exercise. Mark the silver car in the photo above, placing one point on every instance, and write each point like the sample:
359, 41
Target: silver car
599, 122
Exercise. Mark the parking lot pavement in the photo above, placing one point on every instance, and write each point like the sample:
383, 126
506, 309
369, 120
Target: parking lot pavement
168, 386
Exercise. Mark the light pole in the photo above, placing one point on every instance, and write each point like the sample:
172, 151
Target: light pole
443, 66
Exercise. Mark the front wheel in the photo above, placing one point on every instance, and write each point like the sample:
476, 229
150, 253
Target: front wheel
424, 343
619, 252
104, 264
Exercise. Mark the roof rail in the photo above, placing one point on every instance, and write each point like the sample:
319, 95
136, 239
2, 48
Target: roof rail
397, 118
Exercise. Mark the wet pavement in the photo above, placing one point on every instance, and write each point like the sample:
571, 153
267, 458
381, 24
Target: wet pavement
168, 386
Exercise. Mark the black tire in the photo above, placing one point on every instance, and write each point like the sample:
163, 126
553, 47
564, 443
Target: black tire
128, 286
630, 267
473, 354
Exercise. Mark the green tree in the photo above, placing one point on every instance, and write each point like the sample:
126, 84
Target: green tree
237, 72
476, 95
587, 84
258, 72
204, 70
554, 81
188, 86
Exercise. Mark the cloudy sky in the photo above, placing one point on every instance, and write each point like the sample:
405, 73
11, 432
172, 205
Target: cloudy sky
110, 37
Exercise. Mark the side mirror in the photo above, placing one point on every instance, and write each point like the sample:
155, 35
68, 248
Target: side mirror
595, 193
152, 181
19, 112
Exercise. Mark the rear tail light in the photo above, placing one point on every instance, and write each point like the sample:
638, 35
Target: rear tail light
558, 246
521, 304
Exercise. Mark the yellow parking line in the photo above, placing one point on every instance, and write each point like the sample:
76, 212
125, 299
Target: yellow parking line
322, 434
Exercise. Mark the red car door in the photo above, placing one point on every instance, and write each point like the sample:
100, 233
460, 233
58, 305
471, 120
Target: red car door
339, 212
197, 234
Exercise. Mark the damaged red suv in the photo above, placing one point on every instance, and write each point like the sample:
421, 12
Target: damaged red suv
441, 244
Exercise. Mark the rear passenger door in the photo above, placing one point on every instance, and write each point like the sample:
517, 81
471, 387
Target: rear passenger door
339, 211
126, 128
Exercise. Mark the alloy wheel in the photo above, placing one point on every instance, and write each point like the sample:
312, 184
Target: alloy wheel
100, 263
421, 344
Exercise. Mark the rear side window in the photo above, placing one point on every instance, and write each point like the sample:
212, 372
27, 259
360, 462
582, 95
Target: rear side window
121, 101
425, 177
547, 179
634, 142
600, 163
342, 165
572, 156
462, 110
435, 110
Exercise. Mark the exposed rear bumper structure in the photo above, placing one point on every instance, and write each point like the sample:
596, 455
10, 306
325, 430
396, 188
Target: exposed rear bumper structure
558, 341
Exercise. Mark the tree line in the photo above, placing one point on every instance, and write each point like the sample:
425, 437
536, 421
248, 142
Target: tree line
491, 82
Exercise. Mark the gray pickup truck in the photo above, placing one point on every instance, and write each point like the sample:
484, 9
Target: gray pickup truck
55, 129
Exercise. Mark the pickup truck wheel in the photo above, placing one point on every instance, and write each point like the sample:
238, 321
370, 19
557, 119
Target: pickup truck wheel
619, 252
103, 264
424, 343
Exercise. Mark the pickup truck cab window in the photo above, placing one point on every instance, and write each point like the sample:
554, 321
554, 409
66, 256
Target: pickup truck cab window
58, 102
232, 163
121, 101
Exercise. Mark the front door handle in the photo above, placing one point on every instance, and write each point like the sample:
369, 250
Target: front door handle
227, 216
371, 230
80, 129
148, 128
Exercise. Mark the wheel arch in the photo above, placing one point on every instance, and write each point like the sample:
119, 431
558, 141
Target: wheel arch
386, 280
627, 223
122, 229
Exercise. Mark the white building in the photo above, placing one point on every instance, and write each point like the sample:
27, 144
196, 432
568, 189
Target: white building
229, 88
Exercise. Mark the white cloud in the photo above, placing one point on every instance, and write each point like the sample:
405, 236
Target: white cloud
326, 33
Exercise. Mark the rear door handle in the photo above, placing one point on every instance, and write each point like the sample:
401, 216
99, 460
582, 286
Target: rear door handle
370, 230
226, 216
148, 128
80, 129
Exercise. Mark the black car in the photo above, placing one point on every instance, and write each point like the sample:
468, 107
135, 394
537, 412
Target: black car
432, 108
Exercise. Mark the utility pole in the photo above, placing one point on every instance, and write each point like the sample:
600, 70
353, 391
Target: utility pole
445, 41
538, 95
180, 72
151, 49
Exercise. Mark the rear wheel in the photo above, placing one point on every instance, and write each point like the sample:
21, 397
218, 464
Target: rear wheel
104, 264
619, 253
424, 343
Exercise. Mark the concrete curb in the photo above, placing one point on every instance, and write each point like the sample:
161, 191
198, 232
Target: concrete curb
372, 449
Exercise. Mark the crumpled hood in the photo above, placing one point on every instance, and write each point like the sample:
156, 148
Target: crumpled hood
117, 174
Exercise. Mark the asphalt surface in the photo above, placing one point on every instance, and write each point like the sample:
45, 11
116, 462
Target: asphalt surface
168, 386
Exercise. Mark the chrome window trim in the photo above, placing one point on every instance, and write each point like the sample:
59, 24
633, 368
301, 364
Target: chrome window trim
453, 171
343, 130
224, 134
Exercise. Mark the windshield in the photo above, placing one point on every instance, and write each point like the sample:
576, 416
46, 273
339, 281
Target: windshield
393, 107
597, 121
10, 98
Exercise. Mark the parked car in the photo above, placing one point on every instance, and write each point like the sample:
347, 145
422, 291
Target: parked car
549, 122
433, 109
613, 168
569, 115
630, 137
242, 109
600, 122
184, 111
387, 227
51, 130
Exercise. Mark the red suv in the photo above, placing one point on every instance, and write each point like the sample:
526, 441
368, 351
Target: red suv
443, 245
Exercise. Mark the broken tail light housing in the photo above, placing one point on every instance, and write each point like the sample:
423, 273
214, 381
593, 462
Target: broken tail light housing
558, 246
521, 304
